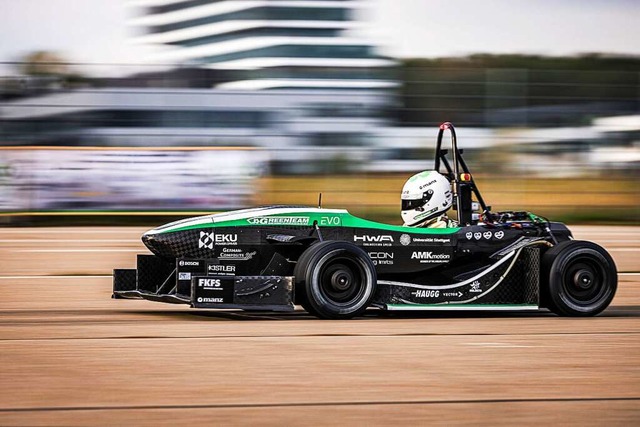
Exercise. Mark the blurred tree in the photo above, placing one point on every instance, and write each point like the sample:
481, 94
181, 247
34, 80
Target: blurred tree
517, 90
41, 71
45, 63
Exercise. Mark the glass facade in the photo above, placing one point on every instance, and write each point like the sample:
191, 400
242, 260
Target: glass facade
294, 51
260, 13
329, 139
25, 129
258, 32
333, 73
188, 4
180, 6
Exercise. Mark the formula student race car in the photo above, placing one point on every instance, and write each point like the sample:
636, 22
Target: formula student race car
336, 265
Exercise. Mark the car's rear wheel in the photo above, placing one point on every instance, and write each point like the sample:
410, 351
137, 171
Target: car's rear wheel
579, 278
335, 280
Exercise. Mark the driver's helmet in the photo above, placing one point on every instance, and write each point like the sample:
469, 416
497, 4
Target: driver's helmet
425, 196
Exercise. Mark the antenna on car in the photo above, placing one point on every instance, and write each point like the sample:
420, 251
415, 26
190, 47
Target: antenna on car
319, 200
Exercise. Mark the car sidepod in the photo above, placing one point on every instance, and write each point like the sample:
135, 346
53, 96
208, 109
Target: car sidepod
475, 267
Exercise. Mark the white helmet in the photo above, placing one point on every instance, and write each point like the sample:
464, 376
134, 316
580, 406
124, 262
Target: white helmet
425, 196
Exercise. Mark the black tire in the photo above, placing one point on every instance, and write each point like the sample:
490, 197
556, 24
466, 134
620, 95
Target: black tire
335, 280
579, 278
300, 292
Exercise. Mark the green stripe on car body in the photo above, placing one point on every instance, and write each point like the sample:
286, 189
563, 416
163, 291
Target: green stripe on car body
308, 219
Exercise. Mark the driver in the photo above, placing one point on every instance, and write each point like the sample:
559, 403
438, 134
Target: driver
426, 197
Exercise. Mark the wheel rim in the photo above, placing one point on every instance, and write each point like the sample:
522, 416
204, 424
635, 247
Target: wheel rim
341, 280
584, 280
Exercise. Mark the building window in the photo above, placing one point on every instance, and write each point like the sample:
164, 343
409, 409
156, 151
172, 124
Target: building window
295, 51
261, 13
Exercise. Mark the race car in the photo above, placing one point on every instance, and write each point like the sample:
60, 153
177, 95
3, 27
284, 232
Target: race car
336, 265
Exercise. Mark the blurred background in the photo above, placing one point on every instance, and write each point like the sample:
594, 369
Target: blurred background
125, 111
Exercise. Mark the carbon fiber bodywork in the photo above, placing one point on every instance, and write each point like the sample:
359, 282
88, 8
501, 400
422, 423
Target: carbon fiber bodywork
514, 280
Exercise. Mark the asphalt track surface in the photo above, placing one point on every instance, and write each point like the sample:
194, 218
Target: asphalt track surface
69, 355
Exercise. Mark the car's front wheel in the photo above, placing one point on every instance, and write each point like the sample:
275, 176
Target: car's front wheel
579, 278
335, 280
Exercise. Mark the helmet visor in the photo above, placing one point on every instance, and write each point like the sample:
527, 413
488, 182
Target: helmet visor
417, 203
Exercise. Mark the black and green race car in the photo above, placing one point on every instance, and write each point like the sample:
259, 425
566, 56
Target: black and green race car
336, 265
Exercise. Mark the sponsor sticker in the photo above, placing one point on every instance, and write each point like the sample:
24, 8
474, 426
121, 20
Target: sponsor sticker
212, 289
206, 240
237, 254
279, 220
209, 299
328, 221
382, 258
405, 240
426, 293
187, 263
423, 186
430, 257
374, 240
209, 239
457, 294
227, 270
209, 283
226, 239
432, 240
486, 235
475, 287
184, 276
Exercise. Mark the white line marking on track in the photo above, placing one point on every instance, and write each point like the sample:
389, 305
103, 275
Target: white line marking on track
631, 231
498, 345
628, 274
55, 277
41, 241
623, 249
41, 231
77, 250
611, 242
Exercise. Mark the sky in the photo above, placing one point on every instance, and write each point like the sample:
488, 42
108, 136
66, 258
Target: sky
96, 31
